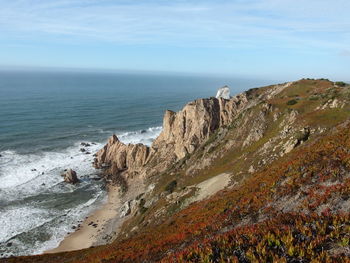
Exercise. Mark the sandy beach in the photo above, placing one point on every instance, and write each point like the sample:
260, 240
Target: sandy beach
103, 225
97, 228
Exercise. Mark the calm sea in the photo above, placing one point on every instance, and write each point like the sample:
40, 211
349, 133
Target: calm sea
44, 117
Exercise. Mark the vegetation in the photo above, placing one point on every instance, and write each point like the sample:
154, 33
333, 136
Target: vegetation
171, 186
296, 209
292, 102
286, 238
318, 173
340, 84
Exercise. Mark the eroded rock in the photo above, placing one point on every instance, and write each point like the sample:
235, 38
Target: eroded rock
70, 176
121, 156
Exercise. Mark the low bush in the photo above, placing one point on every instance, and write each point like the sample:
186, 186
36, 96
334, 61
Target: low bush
171, 186
340, 84
292, 102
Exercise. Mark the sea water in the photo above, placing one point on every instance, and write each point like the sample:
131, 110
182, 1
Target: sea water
44, 118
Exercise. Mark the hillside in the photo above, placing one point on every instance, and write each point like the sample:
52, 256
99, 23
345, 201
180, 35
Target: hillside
262, 177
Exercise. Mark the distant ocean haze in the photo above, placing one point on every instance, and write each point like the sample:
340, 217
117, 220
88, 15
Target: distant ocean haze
44, 117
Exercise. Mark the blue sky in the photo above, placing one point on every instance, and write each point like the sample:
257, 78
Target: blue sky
281, 39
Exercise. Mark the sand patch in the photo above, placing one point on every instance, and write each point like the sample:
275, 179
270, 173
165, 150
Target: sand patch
209, 187
93, 227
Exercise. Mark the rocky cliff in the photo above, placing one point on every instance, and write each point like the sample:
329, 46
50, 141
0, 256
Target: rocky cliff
261, 177
183, 132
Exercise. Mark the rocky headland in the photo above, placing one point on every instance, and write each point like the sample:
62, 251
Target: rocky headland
231, 168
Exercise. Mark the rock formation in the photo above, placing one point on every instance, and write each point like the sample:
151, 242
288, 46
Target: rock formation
70, 176
120, 156
188, 128
238, 143
183, 132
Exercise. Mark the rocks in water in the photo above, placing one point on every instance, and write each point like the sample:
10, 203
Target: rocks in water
33, 170
9, 244
70, 176
82, 150
224, 93
85, 144
96, 178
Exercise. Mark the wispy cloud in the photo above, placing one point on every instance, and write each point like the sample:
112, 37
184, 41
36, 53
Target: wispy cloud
344, 53
234, 23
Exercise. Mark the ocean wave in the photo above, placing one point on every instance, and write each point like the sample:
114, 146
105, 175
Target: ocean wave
33, 170
34, 200
50, 226
146, 136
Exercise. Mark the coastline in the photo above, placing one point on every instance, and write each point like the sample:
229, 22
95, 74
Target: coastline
97, 229
102, 225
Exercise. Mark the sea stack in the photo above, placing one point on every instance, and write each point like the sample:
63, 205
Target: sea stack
70, 177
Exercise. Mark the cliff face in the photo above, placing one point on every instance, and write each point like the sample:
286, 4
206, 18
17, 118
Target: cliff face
183, 132
190, 127
280, 154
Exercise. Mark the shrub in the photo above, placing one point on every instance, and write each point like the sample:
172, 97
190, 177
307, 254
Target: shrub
340, 84
171, 186
292, 102
313, 97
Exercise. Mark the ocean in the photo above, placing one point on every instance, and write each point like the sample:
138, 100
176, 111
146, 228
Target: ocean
44, 118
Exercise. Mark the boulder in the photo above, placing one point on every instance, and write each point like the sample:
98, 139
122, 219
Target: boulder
224, 93
70, 176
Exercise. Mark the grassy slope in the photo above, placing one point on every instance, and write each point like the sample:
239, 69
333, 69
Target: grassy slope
323, 166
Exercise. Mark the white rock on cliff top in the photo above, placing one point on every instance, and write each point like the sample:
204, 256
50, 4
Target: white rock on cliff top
224, 93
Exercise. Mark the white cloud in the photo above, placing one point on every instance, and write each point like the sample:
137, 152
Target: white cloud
287, 23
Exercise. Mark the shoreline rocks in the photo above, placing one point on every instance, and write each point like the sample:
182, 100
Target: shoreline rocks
70, 176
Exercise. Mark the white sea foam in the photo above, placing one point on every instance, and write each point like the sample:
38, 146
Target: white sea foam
16, 220
31, 170
144, 136
61, 230
24, 177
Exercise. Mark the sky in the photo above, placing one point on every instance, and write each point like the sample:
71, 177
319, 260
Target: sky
284, 39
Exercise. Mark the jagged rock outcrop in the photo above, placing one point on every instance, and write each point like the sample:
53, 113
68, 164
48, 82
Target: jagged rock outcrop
70, 176
188, 128
120, 156
183, 133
